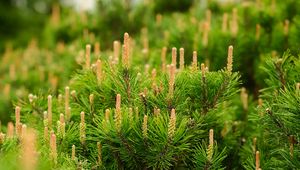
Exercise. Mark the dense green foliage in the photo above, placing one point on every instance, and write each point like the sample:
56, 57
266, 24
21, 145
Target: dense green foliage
92, 98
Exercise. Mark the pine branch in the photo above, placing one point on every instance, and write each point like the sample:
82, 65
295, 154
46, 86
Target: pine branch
128, 147
280, 73
220, 92
126, 77
204, 89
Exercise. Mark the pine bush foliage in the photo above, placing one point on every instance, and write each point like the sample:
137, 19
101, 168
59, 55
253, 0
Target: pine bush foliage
212, 93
